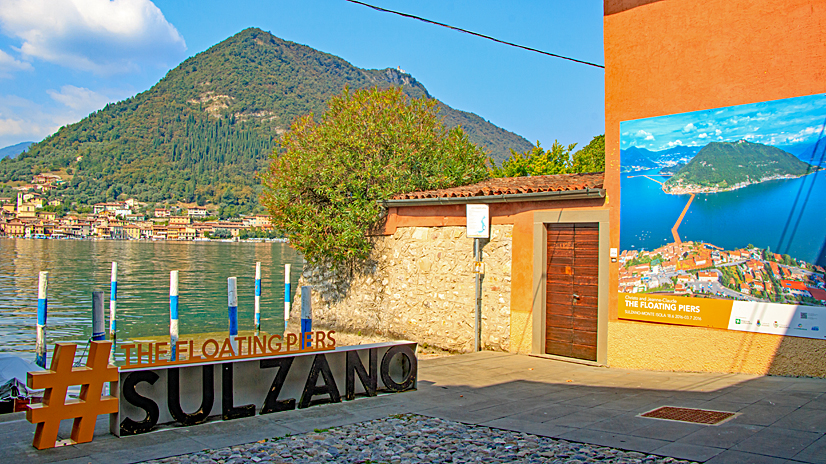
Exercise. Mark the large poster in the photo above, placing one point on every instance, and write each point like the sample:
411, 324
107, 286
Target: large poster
723, 218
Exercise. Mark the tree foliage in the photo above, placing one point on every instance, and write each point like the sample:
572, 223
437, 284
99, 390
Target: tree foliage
323, 190
557, 160
591, 158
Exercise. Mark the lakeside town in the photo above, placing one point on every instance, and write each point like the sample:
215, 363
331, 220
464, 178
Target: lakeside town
705, 270
31, 215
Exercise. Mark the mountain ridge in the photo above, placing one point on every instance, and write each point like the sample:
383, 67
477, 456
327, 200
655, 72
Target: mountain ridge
13, 150
203, 132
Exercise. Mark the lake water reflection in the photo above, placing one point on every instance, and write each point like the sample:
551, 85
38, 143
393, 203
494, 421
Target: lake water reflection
79, 267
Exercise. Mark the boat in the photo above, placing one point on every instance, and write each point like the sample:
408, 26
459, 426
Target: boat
14, 394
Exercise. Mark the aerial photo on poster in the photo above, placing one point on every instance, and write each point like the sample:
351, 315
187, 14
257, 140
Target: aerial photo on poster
726, 204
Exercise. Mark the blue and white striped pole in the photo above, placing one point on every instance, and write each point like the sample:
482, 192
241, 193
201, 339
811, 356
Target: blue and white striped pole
173, 314
40, 344
232, 311
257, 297
113, 303
306, 313
287, 297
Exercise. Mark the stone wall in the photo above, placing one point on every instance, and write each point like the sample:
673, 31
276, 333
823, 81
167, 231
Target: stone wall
418, 285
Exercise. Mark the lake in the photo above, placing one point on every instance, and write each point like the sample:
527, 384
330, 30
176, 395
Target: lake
79, 267
787, 215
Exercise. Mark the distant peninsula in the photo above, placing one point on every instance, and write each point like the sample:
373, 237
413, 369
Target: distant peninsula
724, 166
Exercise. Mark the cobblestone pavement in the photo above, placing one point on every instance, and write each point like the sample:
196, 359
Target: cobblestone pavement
410, 438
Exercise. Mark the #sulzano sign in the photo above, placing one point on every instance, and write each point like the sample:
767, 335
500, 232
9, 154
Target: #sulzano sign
153, 394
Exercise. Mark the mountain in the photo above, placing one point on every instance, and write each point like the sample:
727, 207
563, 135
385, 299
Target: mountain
205, 130
814, 153
13, 150
677, 154
639, 159
636, 159
722, 166
671, 170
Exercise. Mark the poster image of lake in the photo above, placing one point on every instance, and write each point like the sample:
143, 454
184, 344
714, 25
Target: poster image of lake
727, 203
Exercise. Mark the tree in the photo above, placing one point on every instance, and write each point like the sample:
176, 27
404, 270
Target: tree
323, 189
557, 160
591, 158
536, 162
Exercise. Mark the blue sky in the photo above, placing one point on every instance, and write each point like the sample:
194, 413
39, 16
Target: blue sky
62, 59
784, 122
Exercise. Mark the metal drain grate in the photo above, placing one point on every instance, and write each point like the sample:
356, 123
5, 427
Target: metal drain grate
695, 416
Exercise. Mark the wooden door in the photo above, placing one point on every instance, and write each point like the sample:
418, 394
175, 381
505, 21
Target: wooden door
572, 290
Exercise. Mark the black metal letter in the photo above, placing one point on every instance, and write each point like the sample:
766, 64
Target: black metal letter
132, 427
354, 366
310, 389
228, 411
409, 379
271, 403
173, 396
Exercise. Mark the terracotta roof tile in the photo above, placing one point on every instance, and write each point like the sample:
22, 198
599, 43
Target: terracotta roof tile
513, 185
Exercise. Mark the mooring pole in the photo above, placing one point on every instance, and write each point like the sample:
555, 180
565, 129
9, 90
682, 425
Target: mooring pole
232, 311
477, 326
40, 343
287, 297
113, 303
173, 315
98, 321
257, 297
306, 313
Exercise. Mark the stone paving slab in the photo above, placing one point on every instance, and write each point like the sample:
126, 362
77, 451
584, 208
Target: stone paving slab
781, 418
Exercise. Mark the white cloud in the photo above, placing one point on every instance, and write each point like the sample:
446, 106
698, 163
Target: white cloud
811, 130
644, 135
24, 120
690, 127
718, 132
703, 135
9, 63
674, 143
101, 36
79, 98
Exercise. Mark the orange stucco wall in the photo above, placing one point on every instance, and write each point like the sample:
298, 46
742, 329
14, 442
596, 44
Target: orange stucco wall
521, 216
673, 56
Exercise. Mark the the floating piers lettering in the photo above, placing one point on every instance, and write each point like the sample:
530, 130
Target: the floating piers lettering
184, 351
187, 395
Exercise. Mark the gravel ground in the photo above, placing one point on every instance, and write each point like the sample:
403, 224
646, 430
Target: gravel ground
410, 438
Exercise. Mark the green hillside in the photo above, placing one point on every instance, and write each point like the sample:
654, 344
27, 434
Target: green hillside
729, 165
207, 128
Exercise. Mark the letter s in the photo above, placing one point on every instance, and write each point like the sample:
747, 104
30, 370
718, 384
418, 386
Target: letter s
132, 427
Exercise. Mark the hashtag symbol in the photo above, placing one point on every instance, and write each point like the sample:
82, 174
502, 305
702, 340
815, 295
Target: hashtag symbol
84, 410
